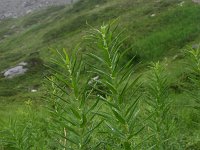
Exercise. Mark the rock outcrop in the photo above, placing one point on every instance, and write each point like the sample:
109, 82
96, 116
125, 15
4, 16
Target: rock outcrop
196, 1
20, 69
15, 8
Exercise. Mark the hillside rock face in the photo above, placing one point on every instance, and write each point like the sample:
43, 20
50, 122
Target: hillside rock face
16, 8
196, 1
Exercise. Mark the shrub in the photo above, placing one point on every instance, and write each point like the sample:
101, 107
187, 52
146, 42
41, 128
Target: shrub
161, 122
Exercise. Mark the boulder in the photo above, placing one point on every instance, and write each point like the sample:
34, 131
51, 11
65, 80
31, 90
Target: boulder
15, 71
196, 46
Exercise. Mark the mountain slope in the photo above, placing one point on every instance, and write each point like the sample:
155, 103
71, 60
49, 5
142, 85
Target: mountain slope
13, 9
156, 30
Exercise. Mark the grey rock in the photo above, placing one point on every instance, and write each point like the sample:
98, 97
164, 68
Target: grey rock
196, 46
196, 1
15, 71
16, 8
12, 72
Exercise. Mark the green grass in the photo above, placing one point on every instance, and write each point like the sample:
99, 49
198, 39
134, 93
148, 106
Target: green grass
161, 37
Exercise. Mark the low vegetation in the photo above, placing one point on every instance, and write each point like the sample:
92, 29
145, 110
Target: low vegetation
105, 93
106, 105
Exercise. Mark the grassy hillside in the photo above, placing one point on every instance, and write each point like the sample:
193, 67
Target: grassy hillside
156, 30
151, 37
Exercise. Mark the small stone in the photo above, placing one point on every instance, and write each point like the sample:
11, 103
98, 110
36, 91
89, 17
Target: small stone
153, 15
23, 64
33, 90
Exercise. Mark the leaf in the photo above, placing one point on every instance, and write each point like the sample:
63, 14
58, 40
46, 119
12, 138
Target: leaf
66, 101
128, 72
134, 83
68, 139
97, 58
84, 121
72, 130
119, 117
104, 92
69, 121
89, 132
98, 71
124, 90
93, 106
132, 106
87, 139
127, 65
136, 133
60, 78
108, 103
109, 85
115, 131
58, 86
104, 115
75, 112
67, 61
127, 145
55, 70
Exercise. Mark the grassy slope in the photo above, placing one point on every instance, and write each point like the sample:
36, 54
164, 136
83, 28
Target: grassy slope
152, 38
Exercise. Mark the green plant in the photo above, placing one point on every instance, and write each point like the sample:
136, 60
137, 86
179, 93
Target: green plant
193, 65
71, 104
160, 123
118, 90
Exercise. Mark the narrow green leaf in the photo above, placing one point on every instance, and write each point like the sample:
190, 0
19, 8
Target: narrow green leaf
67, 61
68, 139
104, 115
108, 103
136, 133
84, 121
134, 103
75, 112
72, 130
93, 106
115, 131
119, 116
97, 58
